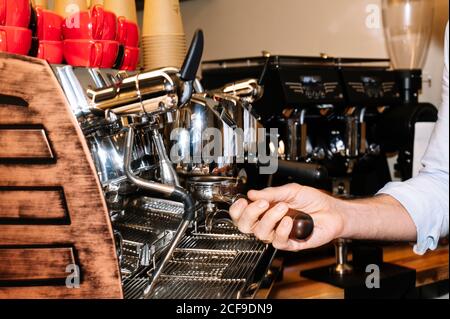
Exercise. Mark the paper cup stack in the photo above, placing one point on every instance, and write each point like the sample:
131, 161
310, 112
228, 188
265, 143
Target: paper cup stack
41, 3
122, 8
163, 38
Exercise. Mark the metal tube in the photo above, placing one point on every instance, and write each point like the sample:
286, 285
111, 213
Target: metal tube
176, 240
146, 184
173, 191
342, 266
168, 173
303, 134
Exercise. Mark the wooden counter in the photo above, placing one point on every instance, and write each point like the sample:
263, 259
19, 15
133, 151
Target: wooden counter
432, 267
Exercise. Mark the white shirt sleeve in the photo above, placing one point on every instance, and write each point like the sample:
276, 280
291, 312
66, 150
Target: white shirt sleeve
426, 197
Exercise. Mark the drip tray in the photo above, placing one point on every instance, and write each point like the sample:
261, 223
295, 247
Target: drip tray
216, 242
145, 228
204, 264
134, 288
199, 264
173, 287
223, 264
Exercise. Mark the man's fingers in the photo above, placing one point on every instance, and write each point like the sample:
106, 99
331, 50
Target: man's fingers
281, 238
265, 228
251, 215
237, 209
286, 193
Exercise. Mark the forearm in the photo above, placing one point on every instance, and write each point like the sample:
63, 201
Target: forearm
378, 218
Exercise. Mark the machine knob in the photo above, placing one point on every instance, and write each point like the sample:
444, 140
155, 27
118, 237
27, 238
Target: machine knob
303, 226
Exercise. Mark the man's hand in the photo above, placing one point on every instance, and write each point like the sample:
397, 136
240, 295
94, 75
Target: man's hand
267, 217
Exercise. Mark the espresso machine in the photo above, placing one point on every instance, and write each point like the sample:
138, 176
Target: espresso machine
164, 248
169, 210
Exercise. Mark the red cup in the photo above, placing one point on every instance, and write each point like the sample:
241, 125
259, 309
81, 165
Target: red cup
127, 32
15, 13
94, 24
109, 31
49, 25
15, 40
130, 59
91, 53
2, 12
51, 51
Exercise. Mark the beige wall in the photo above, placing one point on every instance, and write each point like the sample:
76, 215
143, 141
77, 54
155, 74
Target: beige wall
236, 28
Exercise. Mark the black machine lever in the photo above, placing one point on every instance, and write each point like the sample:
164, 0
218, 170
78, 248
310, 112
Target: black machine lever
307, 173
193, 58
265, 68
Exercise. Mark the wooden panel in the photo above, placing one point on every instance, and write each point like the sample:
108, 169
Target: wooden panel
89, 231
34, 265
33, 205
24, 144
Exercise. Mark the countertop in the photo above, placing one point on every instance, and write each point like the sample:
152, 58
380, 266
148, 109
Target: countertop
431, 268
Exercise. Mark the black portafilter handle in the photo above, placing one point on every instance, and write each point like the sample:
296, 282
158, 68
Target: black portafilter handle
307, 173
303, 224
193, 58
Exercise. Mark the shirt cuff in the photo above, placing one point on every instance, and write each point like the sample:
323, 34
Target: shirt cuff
427, 234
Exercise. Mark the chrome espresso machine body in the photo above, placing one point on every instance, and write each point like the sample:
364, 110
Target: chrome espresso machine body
171, 239
346, 115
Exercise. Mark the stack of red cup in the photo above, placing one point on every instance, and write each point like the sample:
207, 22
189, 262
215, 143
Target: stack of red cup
15, 35
128, 37
90, 38
49, 35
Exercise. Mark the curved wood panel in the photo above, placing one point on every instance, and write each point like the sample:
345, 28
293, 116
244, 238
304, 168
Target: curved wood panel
52, 211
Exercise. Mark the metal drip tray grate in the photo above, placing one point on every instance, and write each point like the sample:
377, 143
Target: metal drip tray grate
130, 259
236, 265
151, 222
220, 264
134, 288
203, 257
150, 206
144, 232
242, 266
173, 287
199, 264
195, 269
221, 243
225, 228
138, 236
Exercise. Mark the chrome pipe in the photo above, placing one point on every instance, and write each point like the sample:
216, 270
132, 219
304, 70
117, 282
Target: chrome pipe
140, 182
175, 241
167, 171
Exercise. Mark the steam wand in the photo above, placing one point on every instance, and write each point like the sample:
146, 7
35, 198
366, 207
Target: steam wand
174, 192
